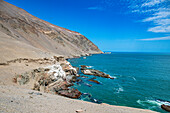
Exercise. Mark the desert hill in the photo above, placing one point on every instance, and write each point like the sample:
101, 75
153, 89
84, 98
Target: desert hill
24, 35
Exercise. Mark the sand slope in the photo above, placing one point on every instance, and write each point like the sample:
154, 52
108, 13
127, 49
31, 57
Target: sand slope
22, 34
16, 100
11, 49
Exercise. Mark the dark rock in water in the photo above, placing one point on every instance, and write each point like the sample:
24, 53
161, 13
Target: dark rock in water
71, 93
95, 100
93, 78
112, 78
84, 77
86, 94
79, 80
95, 81
83, 67
63, 90
163, 100
165, 107
88, 84
95, 73
90, 98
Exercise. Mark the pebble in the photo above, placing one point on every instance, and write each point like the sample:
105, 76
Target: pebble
78, 111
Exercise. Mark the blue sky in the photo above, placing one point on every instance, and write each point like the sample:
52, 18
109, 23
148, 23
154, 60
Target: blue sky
113, 25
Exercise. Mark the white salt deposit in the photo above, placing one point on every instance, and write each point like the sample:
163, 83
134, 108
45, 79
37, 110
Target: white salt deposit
57, 70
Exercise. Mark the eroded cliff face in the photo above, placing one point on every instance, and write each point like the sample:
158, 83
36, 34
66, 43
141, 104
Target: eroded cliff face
19, 27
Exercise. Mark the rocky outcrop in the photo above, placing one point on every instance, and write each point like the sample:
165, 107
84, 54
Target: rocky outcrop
95, 81
33, 34
55, 79
94, 72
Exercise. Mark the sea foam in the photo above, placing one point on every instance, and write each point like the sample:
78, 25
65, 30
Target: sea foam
119, 89
153, 103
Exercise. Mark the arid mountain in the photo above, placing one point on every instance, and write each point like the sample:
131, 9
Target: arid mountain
24, 35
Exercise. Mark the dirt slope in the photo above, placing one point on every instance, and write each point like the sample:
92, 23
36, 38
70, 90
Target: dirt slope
22, 34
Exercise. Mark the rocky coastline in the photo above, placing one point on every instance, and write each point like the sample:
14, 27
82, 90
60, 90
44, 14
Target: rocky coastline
86, 71
57, 77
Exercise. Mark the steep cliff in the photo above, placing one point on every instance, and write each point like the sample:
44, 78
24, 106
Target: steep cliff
24, 35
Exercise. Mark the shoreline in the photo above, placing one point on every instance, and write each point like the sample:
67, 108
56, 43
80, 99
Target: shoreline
33, 65
14, 99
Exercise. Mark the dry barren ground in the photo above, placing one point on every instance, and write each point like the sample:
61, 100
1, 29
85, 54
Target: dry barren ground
18, 100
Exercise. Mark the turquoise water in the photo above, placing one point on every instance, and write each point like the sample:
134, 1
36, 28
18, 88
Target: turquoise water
142, 80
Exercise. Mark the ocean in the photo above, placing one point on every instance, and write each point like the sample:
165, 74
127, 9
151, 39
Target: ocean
142, 80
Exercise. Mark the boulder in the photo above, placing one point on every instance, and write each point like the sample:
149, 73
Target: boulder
71, 93
165, 107
95, 81
84, 67
84, 77
79, 110
95, 73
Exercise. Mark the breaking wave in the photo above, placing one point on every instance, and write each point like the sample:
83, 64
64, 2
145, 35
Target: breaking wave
89, 66
150, 104
88, 97
119, 89
134, 78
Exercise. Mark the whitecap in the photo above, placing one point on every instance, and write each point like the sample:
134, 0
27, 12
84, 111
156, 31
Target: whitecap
113, 77
134, 78
118, 90
153, 103
90, 66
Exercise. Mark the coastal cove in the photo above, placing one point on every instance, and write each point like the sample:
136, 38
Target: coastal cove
141, 80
